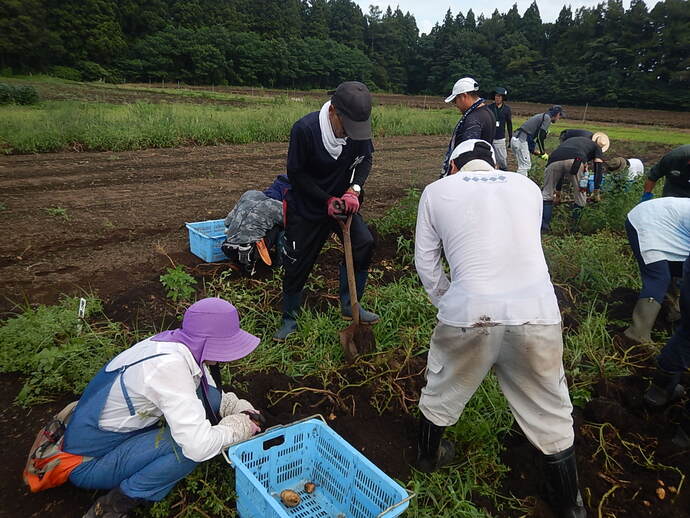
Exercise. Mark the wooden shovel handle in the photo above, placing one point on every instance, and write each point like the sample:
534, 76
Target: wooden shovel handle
350, 266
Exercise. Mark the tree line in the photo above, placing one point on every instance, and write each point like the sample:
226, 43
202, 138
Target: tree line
603, 55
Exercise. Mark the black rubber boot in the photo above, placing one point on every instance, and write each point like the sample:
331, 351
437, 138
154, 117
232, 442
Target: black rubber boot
546, 216
365, 317
291, 305
113, 505
562, 486
665, 388
433, 452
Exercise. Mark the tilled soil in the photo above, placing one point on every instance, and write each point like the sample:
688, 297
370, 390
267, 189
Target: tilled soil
123, 223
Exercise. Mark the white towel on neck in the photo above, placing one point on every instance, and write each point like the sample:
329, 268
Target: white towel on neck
333, 144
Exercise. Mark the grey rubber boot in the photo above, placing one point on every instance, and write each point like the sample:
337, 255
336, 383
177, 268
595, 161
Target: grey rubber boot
665, 388
113, 505
643, 317
562, 485
365, 317
291, 305
433, 452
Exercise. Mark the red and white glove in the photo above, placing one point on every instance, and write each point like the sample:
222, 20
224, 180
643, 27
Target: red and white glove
336, 207
351, 203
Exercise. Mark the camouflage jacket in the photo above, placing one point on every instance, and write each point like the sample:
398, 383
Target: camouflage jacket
253, 216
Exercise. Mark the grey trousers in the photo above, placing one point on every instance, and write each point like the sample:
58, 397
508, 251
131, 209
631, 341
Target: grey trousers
521, 150
501, 154
528, 363
559, 171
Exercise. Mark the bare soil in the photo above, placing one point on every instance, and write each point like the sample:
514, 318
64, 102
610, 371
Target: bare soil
123, 223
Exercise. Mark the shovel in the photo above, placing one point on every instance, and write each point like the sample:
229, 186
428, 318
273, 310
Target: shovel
356, 338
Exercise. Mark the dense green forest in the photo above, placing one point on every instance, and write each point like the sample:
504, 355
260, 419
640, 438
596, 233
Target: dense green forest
604, 55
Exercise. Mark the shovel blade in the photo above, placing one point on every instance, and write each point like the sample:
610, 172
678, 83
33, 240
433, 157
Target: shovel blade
357, 339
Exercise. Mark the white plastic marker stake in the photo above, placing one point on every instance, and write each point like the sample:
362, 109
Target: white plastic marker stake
81, 313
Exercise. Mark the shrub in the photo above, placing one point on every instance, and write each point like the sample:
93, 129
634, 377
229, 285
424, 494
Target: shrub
5, 94
68, 73
25, 94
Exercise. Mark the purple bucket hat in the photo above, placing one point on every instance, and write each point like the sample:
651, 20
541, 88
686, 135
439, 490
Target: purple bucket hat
211, 331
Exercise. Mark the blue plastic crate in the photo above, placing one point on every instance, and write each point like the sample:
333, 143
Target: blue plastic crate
205, 238
348, 485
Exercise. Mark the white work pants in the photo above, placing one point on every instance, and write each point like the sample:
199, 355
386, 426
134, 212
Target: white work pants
522, 155
501, 154
528, 363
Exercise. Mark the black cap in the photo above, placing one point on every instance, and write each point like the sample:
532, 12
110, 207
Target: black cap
352, 101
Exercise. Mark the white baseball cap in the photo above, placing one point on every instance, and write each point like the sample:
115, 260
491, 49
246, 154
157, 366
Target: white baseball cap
461, 86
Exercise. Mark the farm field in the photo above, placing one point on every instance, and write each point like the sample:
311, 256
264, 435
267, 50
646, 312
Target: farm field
108, 224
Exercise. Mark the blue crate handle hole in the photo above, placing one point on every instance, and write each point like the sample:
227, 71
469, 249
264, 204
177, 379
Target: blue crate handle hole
272, 443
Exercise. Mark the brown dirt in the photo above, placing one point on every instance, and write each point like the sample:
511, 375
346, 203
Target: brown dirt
126, 214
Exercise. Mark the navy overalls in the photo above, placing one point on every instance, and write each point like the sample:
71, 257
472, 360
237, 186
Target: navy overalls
144, 463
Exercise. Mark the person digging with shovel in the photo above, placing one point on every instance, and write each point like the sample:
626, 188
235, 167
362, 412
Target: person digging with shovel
329, 160
498, 310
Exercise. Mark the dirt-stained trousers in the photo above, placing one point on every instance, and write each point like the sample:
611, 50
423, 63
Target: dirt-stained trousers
527, 360
557, 172
305, 238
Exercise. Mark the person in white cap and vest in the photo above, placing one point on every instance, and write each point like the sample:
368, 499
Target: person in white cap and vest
498, 309
569, 162
154, 412
529, 138
329, 160
477, 122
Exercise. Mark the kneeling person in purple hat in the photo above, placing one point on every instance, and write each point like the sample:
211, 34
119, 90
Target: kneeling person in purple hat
154, 412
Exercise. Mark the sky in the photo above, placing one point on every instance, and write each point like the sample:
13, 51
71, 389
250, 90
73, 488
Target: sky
429, 12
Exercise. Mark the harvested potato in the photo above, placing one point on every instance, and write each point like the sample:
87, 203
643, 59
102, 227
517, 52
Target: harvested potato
290, 498
310, 487
660, 493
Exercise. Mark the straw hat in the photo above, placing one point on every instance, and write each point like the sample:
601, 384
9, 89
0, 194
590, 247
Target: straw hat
602, 140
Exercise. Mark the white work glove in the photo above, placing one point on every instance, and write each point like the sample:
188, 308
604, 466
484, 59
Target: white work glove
231, 404
237, 427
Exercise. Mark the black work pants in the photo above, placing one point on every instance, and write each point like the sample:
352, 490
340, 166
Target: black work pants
304, 239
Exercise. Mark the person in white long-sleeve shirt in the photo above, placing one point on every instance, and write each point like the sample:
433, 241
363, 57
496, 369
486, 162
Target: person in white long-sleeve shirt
153, 412
497, 310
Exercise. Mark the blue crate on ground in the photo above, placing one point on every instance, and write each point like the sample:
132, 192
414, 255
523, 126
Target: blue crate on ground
205, 238
348, 485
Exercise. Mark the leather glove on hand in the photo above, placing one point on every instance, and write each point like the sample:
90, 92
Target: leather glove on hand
351, 203
238, 427
557, 197
231, 404
596, 196
646, 196
336, 207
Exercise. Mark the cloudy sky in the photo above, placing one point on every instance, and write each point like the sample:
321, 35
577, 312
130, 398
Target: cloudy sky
428, 12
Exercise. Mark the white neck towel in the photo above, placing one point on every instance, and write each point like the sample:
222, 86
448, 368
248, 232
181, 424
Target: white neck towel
333, 144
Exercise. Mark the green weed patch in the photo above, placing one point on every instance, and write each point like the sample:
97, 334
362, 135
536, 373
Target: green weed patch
56, 350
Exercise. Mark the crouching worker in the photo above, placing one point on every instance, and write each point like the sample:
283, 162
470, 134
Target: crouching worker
116, 426
569, 162
659, 236
498, 310
254, 227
